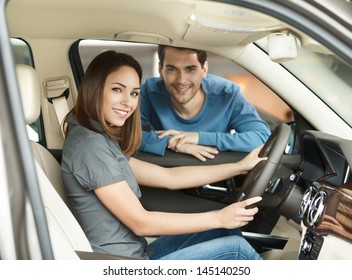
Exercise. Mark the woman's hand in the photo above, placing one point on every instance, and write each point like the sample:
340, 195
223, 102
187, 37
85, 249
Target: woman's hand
236, 215
251, 160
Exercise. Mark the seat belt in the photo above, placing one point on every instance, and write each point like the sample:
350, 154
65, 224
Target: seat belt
57, 90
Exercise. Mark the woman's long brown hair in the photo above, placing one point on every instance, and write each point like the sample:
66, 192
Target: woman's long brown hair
89, 104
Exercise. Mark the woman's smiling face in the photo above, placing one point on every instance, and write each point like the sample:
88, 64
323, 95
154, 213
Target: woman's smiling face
121, 95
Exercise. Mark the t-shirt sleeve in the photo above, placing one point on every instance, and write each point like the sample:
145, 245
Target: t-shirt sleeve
95, 164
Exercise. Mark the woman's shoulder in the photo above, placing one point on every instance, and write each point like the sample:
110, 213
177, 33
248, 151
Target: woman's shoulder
84, 140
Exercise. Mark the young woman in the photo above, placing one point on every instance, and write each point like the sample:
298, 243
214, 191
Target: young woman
103, 131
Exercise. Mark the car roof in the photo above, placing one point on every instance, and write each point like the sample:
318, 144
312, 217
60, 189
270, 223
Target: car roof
214, 26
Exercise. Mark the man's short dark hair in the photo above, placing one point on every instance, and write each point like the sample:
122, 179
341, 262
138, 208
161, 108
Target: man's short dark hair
201, 55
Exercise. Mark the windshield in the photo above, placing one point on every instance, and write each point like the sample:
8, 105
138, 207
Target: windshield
325, 75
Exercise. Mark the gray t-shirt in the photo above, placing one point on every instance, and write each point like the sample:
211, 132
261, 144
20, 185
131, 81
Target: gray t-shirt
91, 160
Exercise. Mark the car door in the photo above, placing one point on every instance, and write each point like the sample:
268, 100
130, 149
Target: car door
21, 207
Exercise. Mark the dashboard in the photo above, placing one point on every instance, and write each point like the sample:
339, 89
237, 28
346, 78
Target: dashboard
320, 200
325, 158
326, 206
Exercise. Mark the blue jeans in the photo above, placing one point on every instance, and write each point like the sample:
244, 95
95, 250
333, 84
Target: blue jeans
219, 244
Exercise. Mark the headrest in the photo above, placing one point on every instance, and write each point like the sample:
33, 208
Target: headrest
29, 85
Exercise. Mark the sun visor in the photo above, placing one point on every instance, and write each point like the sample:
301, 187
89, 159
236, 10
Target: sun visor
229, 30
210, 37
143, 37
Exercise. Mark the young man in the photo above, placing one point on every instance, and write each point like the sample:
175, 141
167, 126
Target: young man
192, 112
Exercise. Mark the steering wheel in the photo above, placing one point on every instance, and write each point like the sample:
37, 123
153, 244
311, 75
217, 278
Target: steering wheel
259, 177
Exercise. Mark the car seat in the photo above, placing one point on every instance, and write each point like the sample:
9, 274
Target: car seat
67, 237
68, 240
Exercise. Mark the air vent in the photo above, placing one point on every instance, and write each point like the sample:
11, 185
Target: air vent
306, 201
316, 208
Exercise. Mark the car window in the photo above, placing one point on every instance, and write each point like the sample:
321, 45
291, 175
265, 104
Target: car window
325, 74
271, 108
23, 55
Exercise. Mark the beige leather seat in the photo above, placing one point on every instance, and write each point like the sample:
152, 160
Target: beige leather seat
66, 235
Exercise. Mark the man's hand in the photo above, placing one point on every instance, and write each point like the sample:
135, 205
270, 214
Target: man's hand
198, 151
178, 138
187, 143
